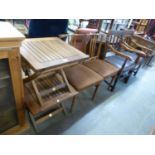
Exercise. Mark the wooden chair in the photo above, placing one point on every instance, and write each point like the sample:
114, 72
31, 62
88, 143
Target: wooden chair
147, 46
126, 58
80, 76
137, 55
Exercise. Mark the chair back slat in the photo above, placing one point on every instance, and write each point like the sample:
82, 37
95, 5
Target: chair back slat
127, 35
87, 43
114, 37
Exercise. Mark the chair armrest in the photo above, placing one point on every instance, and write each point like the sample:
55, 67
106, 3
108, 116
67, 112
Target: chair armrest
119, 53
127, 47
141, 46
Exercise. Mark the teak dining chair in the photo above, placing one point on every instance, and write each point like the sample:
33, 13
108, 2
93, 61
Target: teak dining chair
102, 67
80, 76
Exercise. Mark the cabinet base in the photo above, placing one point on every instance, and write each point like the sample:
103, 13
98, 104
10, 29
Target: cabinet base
17, 130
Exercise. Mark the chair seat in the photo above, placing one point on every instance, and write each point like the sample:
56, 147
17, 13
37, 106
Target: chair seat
103, 68
82, 77
131, 55
118, 62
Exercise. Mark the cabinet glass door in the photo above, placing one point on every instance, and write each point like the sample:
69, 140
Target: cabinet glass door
8, 113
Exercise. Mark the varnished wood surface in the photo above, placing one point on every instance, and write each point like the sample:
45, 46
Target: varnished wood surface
43, 53
82, 77
145, 42
102, 67
16, 77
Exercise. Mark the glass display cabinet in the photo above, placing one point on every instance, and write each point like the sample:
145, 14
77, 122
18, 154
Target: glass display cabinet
12, 114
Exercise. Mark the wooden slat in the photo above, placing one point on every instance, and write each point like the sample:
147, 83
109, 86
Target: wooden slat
43, 53
49, 96
33, 105
46, 49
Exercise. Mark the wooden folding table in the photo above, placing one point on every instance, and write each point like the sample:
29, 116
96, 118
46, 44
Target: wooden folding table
46, 86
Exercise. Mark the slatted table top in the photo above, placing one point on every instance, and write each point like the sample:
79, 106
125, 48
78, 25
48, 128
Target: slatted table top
43, 53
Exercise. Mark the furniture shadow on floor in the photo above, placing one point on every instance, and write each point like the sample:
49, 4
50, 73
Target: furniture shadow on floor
60, 124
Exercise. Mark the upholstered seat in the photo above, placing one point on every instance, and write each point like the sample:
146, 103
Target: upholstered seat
134, 56
82, 77
131, 55
118, 61
103, 68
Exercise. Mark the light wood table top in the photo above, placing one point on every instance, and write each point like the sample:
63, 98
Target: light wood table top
43, 53
8, 32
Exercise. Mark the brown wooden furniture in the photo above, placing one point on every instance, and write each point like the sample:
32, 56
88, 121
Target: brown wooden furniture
137, 55
145, 45
12, 113
126, 58
80, 76
46, 85
102, 67
140, 25
90, 44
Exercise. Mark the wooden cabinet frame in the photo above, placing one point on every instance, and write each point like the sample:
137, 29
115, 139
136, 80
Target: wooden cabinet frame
10, 40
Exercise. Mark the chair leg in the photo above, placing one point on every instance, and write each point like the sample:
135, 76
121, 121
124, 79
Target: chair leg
126, 79
135, 73
64, 109
148, 63
95, 91
111, 82
73, 104
145, 61
115, 82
